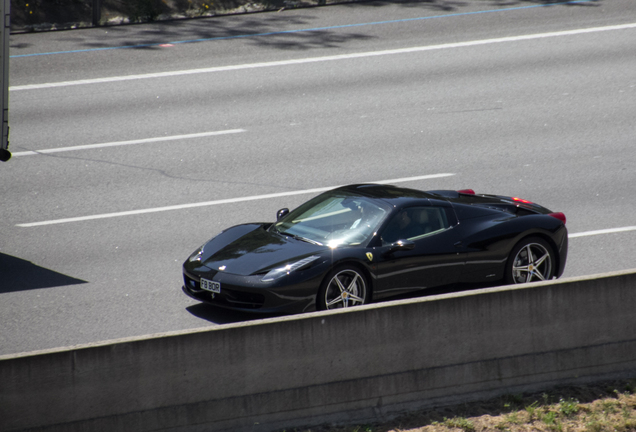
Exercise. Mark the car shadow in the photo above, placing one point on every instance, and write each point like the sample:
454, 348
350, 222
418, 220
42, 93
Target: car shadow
219, 315
17, 274
445, 289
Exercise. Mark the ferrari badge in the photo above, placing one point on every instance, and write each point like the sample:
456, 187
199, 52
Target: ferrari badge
370, 256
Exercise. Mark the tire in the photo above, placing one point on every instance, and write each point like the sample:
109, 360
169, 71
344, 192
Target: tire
531, 260
343, 287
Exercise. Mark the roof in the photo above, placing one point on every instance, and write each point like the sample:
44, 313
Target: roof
393, 194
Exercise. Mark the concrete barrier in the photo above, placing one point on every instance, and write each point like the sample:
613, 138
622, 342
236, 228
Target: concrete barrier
363, 364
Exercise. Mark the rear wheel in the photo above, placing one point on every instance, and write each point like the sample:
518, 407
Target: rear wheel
343, 287
531, 260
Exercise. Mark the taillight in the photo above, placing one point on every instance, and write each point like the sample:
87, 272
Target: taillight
560, 216
467, 191
521, 200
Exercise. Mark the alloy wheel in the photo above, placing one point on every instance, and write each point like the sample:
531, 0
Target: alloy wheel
345, 289
533, 262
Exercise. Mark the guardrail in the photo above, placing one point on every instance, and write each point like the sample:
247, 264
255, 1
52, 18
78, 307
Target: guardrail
362, 364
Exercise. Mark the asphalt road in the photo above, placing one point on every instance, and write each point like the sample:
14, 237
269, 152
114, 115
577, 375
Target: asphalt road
133, 145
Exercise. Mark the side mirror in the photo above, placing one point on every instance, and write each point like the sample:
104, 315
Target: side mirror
401, 245
281, 213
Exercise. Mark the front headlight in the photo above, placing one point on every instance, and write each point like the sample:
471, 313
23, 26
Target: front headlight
279, 272
196, 255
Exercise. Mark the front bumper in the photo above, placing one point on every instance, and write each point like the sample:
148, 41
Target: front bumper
292, 294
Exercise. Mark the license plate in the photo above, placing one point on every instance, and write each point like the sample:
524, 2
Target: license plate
211, 286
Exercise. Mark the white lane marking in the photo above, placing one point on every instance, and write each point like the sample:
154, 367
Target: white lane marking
218, 202
323, 59
131, 142
603, 231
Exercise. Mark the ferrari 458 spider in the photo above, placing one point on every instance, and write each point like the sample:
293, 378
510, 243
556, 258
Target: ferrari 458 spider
358, 243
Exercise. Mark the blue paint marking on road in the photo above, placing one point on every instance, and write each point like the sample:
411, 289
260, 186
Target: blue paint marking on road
219, 38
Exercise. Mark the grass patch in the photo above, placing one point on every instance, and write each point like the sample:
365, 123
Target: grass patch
609, 406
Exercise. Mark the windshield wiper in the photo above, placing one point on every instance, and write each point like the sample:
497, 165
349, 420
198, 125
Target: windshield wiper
297, 237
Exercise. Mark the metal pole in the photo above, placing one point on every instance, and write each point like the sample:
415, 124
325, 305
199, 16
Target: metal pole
97, 12
5, 155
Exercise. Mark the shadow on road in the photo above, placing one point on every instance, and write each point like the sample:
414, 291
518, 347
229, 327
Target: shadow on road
17, 274
219, 315
263, 29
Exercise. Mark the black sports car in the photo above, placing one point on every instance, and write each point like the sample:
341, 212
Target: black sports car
365, 242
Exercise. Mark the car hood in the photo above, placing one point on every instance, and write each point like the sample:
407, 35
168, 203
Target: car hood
250, 249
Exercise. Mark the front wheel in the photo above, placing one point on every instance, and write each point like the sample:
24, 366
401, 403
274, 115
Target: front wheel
531, 260
343, 287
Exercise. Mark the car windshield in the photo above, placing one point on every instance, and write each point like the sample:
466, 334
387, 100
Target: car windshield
334, 219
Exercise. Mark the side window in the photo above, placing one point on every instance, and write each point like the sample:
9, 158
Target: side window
415, 222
